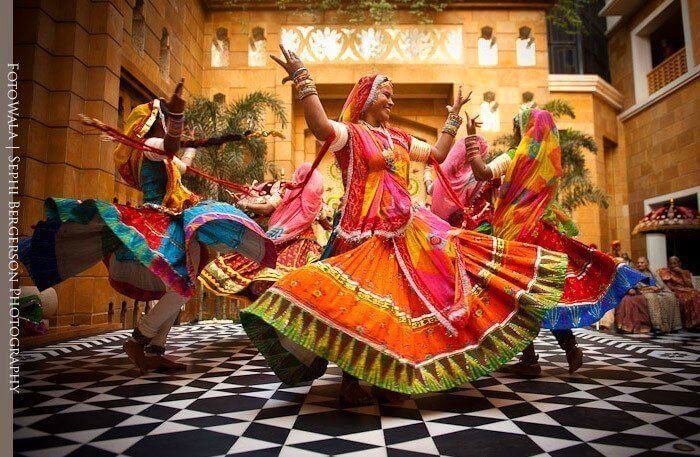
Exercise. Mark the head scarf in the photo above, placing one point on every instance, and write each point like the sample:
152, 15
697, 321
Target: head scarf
299, 206
128, 160
524, 111
361, 97
458, 172
531, 180
137, 125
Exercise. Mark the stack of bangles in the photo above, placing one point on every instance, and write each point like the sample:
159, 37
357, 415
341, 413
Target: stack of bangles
472, 147
175, 124
303, 83
452, 124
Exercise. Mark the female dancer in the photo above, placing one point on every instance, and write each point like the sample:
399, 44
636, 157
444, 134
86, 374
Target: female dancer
291, 227
152, 252
406, 303
524, 209
471, 193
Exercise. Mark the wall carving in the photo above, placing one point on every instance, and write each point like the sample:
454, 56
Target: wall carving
409, 44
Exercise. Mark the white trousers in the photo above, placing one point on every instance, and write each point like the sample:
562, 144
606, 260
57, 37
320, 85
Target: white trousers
160, 319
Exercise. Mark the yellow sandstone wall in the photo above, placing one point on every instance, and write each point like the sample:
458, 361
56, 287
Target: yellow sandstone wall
659, 145
507, 79
663, 151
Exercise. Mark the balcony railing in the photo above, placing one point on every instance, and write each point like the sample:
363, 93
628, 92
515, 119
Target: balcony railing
668, 70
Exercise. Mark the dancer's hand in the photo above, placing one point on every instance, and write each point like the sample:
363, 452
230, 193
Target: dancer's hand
472, 124
176, 105
236, 196
459, 101
291, 64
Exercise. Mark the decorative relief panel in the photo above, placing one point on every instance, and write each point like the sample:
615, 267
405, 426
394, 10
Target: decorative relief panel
408, 44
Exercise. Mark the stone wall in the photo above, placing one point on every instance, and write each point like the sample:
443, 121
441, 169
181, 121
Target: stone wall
663, 151
597, 116
659, 147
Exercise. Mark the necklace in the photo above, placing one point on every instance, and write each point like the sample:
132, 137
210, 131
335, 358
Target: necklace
387, 153
384, 132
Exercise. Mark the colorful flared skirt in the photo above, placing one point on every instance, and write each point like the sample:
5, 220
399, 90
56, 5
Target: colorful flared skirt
595, 282
146, 250
376, 311
233, 273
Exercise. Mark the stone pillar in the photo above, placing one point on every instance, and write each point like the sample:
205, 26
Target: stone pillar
69, 65
656, 250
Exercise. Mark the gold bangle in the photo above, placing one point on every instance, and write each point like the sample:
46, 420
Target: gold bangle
452, 124
305, 89
450, 130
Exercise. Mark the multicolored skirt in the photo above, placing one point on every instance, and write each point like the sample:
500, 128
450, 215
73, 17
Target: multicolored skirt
146, 250
595, 282
378, 310
233, 273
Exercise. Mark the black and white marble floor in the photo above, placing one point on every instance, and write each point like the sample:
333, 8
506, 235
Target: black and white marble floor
633, 396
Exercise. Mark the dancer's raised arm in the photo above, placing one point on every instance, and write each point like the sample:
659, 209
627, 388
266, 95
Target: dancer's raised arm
480, 169
315, 115
449, 131
175, 119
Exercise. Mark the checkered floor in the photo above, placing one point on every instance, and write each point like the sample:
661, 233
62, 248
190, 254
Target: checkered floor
82, 398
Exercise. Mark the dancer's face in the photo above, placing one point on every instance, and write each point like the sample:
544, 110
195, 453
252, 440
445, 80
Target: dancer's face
380, 110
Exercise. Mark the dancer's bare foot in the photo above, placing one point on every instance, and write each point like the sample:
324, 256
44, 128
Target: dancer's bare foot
352, 393
388, 396
575, 359
134, 350
159, 362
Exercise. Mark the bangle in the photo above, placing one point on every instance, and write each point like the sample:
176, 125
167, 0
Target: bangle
472, 153
302, 95
452, 124
300, 82
450, 129
472, 147
305, 88
299, 78
299, 71
419, 151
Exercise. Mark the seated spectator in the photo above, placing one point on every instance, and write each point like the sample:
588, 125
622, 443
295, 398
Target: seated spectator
680, 282
648, 307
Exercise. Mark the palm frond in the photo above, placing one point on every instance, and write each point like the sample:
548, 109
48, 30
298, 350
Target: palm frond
575, 139
241, 161
559, 108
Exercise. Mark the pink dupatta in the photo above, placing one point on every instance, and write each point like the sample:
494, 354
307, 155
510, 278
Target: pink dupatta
299, 206
461, 180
